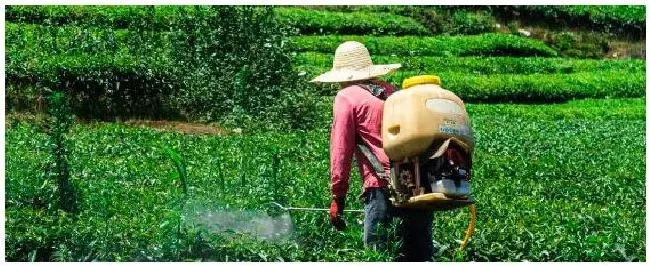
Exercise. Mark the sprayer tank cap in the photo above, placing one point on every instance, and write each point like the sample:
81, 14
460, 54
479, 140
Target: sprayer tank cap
417, 80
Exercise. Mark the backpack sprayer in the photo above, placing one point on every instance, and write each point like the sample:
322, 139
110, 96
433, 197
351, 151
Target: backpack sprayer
427, 136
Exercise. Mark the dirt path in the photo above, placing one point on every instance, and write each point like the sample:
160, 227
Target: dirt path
173, 126
182, 127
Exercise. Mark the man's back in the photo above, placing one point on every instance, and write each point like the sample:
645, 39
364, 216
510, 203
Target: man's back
357, 114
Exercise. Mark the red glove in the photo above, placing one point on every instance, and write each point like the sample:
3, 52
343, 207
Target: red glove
335, 213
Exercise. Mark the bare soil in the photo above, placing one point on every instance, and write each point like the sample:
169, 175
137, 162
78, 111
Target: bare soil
172, 126
175, 126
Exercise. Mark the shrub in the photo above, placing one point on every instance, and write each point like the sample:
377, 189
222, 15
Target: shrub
158, 18
134, 72
448, 20
584, 46
466, 22
534, 88
612, 19
59, 168
314, 63
240, 68
485, 44
108, 76
328, 22
546, 88
155, 17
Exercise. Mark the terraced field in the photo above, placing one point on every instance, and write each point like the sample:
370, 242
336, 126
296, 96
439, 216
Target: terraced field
559, 163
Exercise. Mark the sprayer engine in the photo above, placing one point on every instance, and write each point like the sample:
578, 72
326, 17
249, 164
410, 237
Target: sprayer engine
447, 175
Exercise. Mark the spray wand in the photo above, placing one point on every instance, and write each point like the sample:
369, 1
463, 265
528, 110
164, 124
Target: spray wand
279, 206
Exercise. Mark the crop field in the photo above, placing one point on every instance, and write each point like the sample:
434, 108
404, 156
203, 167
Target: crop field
539, 199
559, 166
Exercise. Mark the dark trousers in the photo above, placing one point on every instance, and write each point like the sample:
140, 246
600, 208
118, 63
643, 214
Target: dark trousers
415, 229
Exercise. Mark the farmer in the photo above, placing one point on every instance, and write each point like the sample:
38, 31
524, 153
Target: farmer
358, 109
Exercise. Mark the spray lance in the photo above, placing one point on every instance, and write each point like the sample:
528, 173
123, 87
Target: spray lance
278, 206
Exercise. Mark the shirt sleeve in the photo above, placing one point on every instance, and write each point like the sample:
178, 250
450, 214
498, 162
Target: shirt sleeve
342, 145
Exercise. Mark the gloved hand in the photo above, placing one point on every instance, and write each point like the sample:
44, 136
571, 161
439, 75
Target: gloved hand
335, 213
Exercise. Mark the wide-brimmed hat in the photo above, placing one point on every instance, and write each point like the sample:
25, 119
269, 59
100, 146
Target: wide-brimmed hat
352, 62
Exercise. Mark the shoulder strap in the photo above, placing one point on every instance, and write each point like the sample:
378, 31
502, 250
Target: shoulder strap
372, 158
376, 90
374, 162
379, 92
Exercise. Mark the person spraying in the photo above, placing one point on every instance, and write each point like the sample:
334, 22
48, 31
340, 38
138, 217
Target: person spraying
358, 110
423, 165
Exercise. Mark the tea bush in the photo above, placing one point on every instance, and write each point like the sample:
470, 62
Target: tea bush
328, 22
62, 39
485, 44
547, 88
79, 39
470, 22
242, 68
447, 20
576, 192
531, 88
610, 109
613, 19
481, 65
609, 18
134, 72
104, 85
158, 17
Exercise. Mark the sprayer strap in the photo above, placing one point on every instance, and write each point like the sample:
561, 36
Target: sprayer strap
376, 90
379, 92
372, 158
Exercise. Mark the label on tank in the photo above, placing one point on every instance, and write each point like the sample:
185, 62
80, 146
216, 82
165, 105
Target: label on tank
444, 106
449, 130
449, 122
450, 126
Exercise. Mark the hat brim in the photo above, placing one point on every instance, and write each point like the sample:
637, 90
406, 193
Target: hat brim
334, 76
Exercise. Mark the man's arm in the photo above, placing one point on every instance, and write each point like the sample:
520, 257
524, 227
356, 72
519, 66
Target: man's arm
342, 144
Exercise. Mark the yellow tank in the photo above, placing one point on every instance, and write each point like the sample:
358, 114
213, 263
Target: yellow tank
421, 113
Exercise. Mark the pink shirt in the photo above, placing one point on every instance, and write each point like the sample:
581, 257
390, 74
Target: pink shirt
356, 111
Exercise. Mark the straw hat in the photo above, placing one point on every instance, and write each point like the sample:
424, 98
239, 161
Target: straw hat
352, 62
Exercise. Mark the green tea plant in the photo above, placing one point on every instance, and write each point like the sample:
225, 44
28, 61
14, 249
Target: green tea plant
59, 125
134, 72
327, 22
475, 65
533, 88
445, 20
112, 16
561, 200
101, 191
308, 21
105, 79
252, 49
614, 19
489, 44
